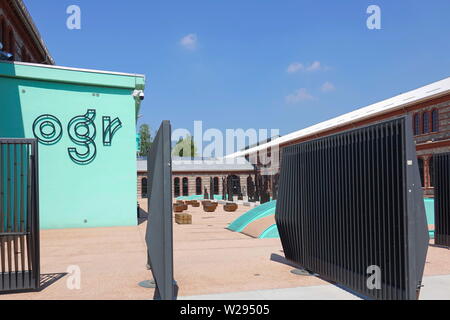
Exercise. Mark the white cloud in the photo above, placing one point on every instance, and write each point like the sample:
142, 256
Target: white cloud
328, 87
190, 41
315, 66
295, 67
299, 96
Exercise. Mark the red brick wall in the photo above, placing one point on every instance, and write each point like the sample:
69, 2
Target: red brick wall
192, 177
15, 37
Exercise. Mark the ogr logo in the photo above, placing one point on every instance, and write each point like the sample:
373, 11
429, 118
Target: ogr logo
82, 132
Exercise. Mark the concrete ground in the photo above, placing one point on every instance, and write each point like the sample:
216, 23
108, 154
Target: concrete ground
435, 288
209, 261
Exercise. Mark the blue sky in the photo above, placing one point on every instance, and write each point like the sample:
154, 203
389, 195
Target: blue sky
254, 63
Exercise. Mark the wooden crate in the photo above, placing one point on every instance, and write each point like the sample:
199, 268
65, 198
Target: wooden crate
183, 218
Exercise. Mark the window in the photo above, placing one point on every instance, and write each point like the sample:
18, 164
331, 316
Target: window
185, 187
426, 122
198, 186
435, 120
176, 187
144, 188
416, 124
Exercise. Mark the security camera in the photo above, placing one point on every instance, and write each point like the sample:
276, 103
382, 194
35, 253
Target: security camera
139, 94
5, 56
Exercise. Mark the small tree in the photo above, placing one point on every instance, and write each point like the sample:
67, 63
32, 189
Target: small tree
146, 140
185, 147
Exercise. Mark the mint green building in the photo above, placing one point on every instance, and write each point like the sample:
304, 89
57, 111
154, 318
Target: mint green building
85, 122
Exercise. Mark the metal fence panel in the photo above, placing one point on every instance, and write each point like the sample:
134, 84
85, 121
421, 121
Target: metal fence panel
159, 235
19, 216
442, 199
351, 205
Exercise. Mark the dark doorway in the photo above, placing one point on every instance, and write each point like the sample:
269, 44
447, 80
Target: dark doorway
198, 186
216, 185
144, 188
235, 185
176, 186
185, 187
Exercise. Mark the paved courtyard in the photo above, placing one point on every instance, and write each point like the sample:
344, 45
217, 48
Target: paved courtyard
210, 262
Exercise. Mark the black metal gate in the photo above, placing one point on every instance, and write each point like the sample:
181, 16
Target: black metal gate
19, 216
351, 209
441, 164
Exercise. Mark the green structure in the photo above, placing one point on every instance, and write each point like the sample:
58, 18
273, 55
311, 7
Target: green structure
259, 212
85, 122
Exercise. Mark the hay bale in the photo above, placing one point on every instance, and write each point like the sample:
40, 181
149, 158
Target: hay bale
183, 218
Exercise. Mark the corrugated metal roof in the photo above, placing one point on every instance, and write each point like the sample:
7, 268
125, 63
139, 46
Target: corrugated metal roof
427, 92
204, 165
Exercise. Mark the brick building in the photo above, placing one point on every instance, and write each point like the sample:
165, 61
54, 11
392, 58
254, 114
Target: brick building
19, 35
428, 107
191, 177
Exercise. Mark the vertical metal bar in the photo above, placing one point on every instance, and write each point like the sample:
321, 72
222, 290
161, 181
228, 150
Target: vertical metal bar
2, 219
29, 237
36, 229
22, 212
353, 231
359, 186
15, 216
8, 213
384, 207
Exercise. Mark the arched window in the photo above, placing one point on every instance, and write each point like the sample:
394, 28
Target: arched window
426, 122
176, 187
216, 185
435, 120
144, 188
416, 124
185, 187
198, 186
